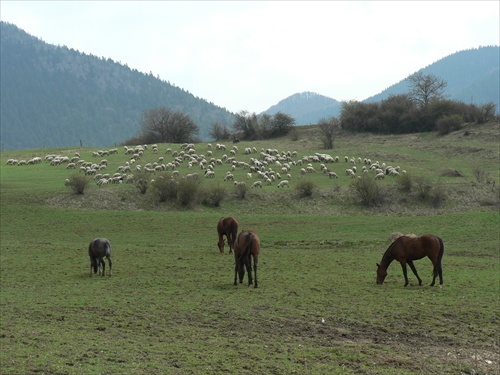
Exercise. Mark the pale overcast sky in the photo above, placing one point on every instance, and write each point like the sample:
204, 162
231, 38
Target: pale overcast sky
250, 55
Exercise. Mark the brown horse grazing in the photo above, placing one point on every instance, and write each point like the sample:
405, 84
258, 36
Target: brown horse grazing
227, 226
246, 246
406, 249
98, 249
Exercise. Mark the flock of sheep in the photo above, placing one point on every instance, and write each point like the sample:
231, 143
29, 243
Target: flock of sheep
262, 168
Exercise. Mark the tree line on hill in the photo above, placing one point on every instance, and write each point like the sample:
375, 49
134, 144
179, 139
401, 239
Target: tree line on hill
164, 125
424, 108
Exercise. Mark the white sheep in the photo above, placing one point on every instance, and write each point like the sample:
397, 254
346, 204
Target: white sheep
379, 176
209, 174
257, 184
240, 184
332, 175
350, 173
283, 183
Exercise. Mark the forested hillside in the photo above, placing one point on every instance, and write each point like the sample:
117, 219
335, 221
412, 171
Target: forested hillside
55, 96
472, 76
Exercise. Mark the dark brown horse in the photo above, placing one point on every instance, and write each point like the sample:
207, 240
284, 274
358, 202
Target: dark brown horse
227, 226
406, 249
98, 249
246, 247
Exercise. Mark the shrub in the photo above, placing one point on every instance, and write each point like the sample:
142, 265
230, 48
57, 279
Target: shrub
448, 172
481, 175
165, 187
429, 192
241, 190
423, 186
214, 195
437, 196
78, 183
305, 188
187, 191
141, 182
294, 135
447, 124
405, 182
368, 191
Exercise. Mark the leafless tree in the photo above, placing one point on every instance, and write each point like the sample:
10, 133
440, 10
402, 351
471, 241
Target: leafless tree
246, 123
328, 128
219, 132
164, 125
424, 88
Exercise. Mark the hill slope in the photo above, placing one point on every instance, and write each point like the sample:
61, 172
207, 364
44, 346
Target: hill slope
472, 76
55, 96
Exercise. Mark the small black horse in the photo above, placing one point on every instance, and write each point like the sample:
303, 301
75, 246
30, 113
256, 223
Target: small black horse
98, 249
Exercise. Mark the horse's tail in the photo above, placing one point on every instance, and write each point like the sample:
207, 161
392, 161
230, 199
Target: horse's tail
108, 249
248, 247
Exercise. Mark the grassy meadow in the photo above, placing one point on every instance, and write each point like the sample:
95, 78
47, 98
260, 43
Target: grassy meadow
171, 306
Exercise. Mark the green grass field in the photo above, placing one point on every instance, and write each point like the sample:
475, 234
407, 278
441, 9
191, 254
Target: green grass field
171, 306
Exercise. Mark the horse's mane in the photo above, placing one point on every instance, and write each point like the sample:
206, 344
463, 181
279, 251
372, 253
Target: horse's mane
388, 251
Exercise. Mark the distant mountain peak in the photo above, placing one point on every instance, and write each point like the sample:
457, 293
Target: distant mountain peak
306, 107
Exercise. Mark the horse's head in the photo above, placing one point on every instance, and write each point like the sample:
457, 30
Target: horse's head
221, 245
381, 274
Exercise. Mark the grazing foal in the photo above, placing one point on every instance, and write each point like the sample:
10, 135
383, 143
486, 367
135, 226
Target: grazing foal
98, 249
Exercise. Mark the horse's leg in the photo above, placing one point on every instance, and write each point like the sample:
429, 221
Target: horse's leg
436, 271
235, 270
110, 264
101, 262
256, 260
440, 271
221, 243
412, 266
230, 240
405, 273
248, 265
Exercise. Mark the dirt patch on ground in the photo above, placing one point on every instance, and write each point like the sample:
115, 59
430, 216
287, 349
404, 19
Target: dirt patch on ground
98, 199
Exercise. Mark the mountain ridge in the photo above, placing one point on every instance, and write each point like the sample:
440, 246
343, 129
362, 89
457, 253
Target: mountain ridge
55, 96
472, 76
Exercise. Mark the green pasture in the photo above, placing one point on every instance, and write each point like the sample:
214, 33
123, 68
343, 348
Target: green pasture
171, 306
